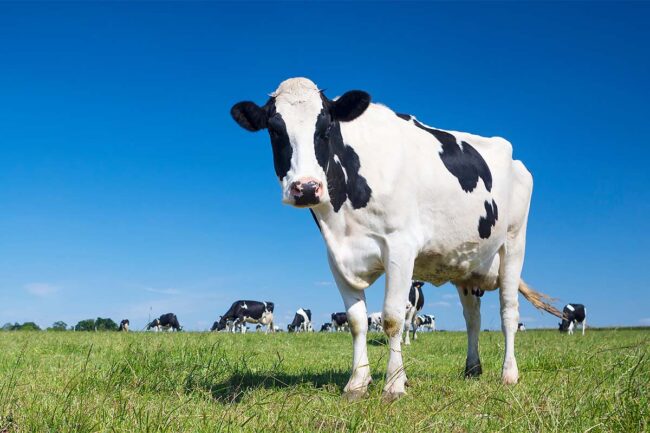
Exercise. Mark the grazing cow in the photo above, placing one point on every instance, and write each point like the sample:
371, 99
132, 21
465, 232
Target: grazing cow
392, 195
374, 322
521, 327
339, 322
168, 322
241, 312
124, 325
326, 327
572, 315
426, 321
413, 306
301, 321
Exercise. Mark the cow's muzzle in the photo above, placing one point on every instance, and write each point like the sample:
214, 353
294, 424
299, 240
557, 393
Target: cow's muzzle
306, 191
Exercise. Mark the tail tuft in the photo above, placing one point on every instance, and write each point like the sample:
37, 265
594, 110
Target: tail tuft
538, 299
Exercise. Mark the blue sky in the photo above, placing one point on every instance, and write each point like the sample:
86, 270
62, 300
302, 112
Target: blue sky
126, 188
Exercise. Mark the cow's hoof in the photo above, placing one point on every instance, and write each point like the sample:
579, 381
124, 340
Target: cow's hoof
355, 395
389, 397
473, 370
510, 378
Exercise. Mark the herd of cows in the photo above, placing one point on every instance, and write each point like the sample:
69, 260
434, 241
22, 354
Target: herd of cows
260, 314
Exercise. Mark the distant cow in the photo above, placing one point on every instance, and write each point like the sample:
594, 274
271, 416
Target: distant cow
374, 322
414, 305
301, 321
339, 322
167, 322
124, 325
521, 327
572, 314
425, 321
326, 327
241, 312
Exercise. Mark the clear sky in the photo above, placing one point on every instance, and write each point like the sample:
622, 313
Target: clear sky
125, 186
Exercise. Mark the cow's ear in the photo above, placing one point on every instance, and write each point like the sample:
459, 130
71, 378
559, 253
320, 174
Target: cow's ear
249, 115
350, 106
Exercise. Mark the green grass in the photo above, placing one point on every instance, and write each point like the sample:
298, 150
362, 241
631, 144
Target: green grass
193, 382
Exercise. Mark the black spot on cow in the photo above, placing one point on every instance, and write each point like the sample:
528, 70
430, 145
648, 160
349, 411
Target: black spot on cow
486, 223
465, 163
406, 117
339, 162
254, 118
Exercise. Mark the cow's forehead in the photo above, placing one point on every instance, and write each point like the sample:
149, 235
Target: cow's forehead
297, 98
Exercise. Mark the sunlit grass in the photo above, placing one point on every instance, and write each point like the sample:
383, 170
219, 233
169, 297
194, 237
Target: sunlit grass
193, 382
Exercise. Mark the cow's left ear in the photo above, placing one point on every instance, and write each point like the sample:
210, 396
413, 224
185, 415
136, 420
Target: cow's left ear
350, 106
249, 115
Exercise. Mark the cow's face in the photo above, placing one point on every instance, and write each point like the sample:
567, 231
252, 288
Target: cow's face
564, 325
308, 151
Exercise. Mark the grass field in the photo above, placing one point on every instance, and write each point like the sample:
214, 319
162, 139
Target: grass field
200, 382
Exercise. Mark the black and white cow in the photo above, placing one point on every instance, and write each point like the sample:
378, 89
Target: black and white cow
392, 195
374, 322
124, 325
572, 315
168, 322
242, 312
326, 327
521, 327
413, 306
425, 321
301, 321
340, 322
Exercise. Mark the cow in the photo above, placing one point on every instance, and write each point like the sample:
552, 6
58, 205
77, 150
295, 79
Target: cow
301, 321
521, 327
326, 327
168, 322
241, 312
374, 322
413, 306
340, 322
425, 321
392, 195
124, 325
572, 315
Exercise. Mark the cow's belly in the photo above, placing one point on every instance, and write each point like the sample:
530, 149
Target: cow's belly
470, 265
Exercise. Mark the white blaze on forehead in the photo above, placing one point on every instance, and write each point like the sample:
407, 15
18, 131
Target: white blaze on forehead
296, 90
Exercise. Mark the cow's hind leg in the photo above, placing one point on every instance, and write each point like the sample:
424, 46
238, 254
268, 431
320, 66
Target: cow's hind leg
410, 313
472, 314
355, 305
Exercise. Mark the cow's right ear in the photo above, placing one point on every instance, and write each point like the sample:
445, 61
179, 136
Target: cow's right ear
249, 115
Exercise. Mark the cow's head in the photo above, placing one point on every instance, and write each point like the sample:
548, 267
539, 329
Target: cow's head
563, 325
219, 325
311, 161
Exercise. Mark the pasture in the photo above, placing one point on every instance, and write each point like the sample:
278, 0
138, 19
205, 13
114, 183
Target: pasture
201, 382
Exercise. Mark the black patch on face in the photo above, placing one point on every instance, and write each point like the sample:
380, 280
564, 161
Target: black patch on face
486, 223
406, 117
334, 156
280, 143
466, 163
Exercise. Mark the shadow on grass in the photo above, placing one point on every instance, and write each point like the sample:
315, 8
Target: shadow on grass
233, 389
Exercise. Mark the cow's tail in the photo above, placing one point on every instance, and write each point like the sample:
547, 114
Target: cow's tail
539, 300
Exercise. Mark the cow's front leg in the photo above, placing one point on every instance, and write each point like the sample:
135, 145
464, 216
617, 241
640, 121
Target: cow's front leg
398, 284
472, 312
355, 306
